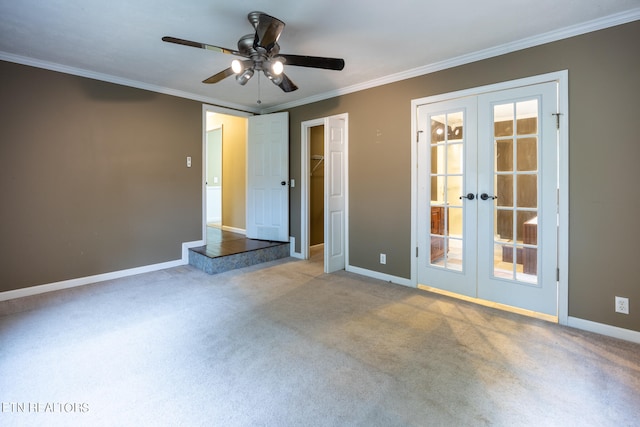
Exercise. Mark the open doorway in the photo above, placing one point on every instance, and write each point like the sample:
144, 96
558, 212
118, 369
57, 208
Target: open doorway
324, 174
316, 188
224, 171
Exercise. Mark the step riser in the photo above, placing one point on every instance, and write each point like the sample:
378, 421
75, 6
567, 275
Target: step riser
239, 260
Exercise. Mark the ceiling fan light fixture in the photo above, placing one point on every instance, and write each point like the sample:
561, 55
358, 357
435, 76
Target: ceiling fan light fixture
236, 66
244, 77
276, 79
277, 67
260, 51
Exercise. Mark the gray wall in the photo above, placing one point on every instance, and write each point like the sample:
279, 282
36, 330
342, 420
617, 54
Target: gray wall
93, 176
604, 233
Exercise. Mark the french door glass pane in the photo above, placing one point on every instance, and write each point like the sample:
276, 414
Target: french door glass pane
504, 155
516, 181
455, 222
527, 154
504, 190
447, 182
527, 191
454, 190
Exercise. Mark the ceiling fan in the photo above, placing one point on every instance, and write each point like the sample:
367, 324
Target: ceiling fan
262, 53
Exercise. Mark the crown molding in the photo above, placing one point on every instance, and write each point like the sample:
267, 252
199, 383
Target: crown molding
567, 32
52, 66
551, 36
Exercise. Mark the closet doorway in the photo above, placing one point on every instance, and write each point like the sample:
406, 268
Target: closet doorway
316, 186
324, 173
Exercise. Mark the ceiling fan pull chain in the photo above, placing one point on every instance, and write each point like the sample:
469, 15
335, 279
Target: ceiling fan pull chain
259, 101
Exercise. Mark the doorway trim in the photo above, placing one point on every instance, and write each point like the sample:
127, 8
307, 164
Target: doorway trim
206, 108
560, 77
305, 184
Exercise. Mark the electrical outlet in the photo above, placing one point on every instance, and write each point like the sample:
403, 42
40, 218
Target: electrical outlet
622, 305
383, 258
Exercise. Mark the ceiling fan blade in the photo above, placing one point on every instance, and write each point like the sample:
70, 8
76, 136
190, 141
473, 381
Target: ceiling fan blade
268, 30
314, 62
219, 76
199, 45
287, 85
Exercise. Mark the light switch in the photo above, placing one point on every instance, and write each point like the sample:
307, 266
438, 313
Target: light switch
189, 161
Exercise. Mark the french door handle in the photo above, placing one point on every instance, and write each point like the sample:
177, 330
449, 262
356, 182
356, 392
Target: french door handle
469, 196
485, 196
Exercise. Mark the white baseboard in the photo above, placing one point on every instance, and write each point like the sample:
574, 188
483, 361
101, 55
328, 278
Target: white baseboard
81, 281
292, 248
574, 322
603, 329
381, 276
234, 229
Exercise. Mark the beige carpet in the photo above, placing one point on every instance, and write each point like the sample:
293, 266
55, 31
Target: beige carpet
282, 344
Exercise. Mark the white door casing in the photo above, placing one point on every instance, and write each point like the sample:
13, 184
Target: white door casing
336, 186
268, 177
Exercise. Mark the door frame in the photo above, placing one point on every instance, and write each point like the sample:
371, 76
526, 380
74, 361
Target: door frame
562, 79
207, 108
305, 185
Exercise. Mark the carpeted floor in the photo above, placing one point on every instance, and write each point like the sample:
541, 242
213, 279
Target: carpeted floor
282, 344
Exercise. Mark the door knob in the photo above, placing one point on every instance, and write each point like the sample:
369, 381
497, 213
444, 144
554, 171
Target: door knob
485, 196
469, 196
283, 182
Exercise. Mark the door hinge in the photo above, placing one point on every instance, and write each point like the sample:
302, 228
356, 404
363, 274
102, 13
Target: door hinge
418, 135
557, 119
416, 252
557, 274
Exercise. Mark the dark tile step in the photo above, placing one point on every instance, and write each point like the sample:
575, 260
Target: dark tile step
211, 261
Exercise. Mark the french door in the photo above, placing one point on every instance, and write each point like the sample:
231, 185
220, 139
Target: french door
487, 196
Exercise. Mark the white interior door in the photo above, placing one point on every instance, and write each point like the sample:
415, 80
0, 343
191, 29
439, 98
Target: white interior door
268, 177
335, 194
487, 197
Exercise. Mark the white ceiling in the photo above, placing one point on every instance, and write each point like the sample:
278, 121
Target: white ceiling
120, 40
